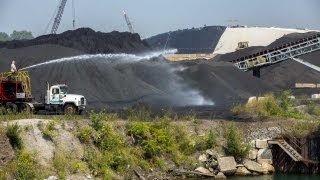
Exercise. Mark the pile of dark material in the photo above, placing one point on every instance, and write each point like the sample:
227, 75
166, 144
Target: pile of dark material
195, 40
223, 82
285, 74
88, 41
124, 80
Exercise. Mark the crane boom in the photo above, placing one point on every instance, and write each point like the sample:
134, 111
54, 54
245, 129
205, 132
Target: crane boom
128, 22
58, 17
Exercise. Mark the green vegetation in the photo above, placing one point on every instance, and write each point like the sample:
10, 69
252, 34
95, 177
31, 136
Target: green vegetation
65, 164
14, 116
85, 134
138, 113
211, 140
24, 167
235, 144
270, 105
16, 35
13, 132
49, 130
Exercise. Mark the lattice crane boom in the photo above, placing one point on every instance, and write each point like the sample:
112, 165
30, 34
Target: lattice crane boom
129, 24
58, 17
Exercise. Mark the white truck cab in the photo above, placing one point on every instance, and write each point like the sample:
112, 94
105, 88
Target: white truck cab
57, 97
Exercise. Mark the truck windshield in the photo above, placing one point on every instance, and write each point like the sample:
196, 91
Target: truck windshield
63, 90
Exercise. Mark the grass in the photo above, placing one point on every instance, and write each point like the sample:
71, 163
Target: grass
66, 164
15, 116
13, 132
49, 131
23, 167
271, 106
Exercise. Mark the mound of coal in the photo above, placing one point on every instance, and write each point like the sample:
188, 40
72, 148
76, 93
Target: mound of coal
88, 41
223, 82
27, 56
117, 81
187, 41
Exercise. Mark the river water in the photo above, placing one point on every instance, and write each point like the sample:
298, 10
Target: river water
279, 176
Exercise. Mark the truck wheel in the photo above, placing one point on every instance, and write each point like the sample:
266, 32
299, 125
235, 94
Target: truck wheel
12, 108
2, 110
26, 108
69, 109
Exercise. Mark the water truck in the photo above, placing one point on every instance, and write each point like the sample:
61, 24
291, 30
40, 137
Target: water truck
15, 96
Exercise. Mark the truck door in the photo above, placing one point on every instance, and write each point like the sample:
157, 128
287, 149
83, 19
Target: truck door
55, 99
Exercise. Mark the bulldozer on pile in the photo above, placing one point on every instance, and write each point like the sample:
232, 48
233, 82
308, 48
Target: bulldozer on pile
242, 45
15, 96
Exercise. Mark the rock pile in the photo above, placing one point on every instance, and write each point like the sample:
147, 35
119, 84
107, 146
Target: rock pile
258, 162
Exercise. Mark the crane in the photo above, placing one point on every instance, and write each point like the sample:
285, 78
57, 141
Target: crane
128, 22
58, 17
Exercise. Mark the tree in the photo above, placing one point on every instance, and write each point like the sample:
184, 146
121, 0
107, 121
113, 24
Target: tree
4, 36
21, 35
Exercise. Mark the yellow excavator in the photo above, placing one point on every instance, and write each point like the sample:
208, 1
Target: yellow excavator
242, 45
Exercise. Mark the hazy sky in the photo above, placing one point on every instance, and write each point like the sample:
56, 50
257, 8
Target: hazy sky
150, 17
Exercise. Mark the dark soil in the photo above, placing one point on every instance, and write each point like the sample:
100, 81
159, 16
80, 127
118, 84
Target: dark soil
187, 41
6, 150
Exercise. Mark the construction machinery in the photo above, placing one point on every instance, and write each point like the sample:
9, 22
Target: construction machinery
242, 45
58, 17
15, 96
129, 24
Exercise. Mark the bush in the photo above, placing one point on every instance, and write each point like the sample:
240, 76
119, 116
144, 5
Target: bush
66, 164
107, 138
139, 113
25, 166
13, 132
281, 106
49, 131
211, 139
235, 145
97, 119
85, 134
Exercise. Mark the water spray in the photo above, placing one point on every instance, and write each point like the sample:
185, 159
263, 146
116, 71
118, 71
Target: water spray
121, 58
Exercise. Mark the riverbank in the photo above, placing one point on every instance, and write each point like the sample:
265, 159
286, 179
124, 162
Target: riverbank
106, 146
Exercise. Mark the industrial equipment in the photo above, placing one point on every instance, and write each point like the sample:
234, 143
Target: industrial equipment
15, 96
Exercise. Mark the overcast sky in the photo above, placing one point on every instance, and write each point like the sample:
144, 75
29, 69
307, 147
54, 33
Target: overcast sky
151, 17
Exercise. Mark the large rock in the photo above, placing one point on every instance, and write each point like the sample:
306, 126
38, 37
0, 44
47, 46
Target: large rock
264, 155
203, 170
227, 165
242, 171
220, 175
252, 154
267, 167
261, 144
213, 153
203, 158
254, 166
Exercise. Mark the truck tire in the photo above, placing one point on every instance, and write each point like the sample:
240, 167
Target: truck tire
11, 108
2, 110
69, 109
26, 108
